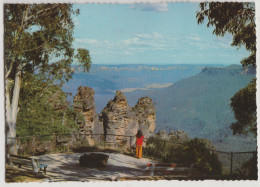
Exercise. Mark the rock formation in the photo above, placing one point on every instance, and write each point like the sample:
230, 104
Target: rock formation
119, 118
116, 118
84, 103
145, 115
178, 136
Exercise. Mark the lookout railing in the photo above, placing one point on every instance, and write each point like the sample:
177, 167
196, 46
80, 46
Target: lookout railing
42, 144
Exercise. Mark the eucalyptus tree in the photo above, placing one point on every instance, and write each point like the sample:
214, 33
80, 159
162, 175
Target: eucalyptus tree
239, 20
37, 40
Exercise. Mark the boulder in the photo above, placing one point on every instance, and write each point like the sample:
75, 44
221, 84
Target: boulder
93, 160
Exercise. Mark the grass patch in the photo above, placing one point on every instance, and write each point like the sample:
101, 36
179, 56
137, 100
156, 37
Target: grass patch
13, 174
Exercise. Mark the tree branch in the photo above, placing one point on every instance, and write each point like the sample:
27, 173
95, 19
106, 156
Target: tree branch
34, 48
10, 69
22, 25
7, 101
36, 16
16, 92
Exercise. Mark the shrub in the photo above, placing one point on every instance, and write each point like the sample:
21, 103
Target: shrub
196, 152
248, 170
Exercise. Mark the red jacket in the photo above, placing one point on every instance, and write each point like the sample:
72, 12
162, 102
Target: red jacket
139, 141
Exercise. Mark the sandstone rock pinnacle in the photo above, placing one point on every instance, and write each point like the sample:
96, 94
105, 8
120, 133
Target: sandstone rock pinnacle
117, 118
84, 103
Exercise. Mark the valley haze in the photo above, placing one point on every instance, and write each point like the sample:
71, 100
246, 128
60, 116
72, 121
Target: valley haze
193, 98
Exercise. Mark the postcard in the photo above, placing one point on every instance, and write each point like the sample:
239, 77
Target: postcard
129, 92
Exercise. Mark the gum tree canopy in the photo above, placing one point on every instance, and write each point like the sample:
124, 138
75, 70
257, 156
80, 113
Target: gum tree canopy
239, 20
37, 40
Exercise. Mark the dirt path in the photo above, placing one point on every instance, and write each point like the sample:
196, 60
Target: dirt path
65, 167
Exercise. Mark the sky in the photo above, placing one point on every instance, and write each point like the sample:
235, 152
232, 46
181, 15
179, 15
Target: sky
150, 34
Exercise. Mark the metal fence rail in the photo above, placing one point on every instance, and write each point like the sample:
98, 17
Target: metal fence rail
67, 141
230, 160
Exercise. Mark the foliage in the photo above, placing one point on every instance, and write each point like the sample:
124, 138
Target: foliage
239, 20
38, 41
154, 147
235, 18
43, 109
196, 152
248, 170
244, 106
39, 36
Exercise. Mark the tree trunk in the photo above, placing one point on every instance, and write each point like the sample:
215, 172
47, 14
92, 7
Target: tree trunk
11, 111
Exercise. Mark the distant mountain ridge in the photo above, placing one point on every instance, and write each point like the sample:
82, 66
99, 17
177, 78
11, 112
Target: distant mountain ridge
107, 79
204, 97
200, 105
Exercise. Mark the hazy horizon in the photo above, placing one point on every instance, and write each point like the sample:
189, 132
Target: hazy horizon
165, 64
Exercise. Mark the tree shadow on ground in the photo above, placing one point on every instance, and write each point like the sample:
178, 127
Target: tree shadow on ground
67, 166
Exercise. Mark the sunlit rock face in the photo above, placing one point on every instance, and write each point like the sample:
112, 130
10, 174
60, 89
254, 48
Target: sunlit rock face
117, 118
84, 103
145, 115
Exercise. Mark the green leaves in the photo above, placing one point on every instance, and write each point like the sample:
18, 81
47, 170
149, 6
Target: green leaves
40, 37
194, 151
235, 18
244, 107
239, 20
83, 58
44, 109
38, 50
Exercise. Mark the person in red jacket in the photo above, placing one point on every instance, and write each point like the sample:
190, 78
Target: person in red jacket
139, 144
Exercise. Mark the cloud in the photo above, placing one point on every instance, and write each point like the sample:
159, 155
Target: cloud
176, 46
138, 43
153, 35
150, 41
194, 40
157, 7
95, 46
203, 44
92, 41
193, 37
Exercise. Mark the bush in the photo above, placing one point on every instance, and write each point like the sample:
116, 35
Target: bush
196, 152
248, 170
44, 110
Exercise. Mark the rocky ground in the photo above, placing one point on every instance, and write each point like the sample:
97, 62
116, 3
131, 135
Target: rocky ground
65, 167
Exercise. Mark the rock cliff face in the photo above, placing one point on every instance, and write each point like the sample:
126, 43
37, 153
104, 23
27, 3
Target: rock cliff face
116, 118
145, 115
84, 103
119, 118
